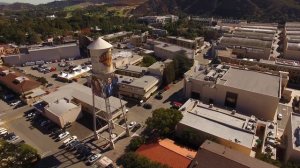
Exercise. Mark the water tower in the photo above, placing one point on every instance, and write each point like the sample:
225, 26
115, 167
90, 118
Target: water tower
104, 82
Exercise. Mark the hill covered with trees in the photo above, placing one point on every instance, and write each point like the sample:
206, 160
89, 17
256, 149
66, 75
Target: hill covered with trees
264, 10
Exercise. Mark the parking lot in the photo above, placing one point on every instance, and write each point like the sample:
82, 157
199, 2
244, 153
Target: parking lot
48, 76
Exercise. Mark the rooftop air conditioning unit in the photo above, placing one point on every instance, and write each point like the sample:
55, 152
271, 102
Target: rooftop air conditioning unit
233, 112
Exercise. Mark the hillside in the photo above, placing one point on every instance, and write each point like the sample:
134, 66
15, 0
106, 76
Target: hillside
250, 9
15, 6
66, 3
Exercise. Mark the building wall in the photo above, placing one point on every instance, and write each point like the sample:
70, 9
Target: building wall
46, 55
181, 128
54, 118
248, 103
167, 54
71, 115
292, 55
136, 92
253, 53
290, 153
68, 116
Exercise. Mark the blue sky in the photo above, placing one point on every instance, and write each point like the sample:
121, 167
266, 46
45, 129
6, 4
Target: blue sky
27, 1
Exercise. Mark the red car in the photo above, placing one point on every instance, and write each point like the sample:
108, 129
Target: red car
166, 88
177, 104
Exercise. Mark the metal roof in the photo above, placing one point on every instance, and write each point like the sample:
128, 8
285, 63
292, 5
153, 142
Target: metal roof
99, 44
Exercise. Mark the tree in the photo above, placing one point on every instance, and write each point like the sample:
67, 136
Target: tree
163, 121
169, 74
133, 160
182, 64
12, 155
135, 143
42, 80
34, 38
148, 61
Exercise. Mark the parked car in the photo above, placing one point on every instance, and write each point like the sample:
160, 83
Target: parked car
54, 76
73, 144
49, 85
31, 115
68, 140
131, 124
63, 135
15, 103
158, 97
3, 132
176, 104
147, 106
44, 123
136, 127
94, 158
279, 116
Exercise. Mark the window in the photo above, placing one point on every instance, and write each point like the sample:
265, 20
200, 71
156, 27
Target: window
231, 99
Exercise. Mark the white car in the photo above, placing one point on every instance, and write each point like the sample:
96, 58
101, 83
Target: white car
3, 132
14, 139
131, 124
279, 116
69, 140
63, 135
15, 103
94, 157
113, 135
1, 129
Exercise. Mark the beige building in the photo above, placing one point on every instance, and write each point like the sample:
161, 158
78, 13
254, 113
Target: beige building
236, 88
132, 71
168, 51
292, 41
213, 155
139, 88
69, 102
291, 137
246, 47
232, 130
187, 43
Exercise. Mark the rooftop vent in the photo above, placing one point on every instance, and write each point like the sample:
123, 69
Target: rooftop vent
5, 72
233, 112
20, 79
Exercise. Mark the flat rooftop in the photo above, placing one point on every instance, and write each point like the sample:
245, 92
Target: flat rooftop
60, 106
295, 130
247, 80
213, 155
252, 81
218, 122
169, 47
133, 68
84, 94
146, 82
